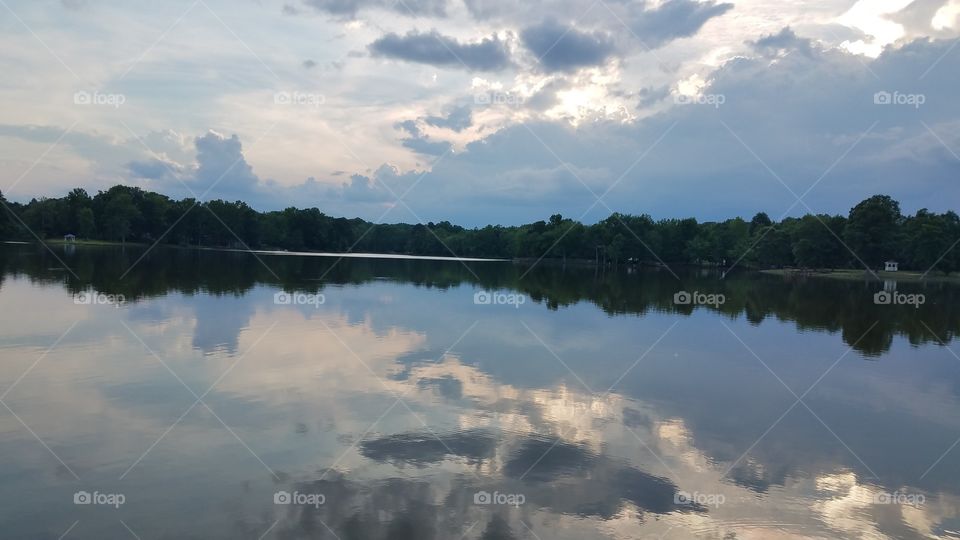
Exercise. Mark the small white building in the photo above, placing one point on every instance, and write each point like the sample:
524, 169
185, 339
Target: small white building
891, 266
69, 238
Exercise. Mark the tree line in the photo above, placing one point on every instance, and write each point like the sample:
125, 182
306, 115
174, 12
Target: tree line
874, 231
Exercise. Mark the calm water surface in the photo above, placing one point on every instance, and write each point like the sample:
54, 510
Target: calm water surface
221, 395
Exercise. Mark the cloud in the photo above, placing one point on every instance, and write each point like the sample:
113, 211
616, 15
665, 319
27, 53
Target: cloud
675, 19
220, 168
154, 169
800, 114
167, 149
561, 48
920, 18
547, 97
650, 96
482, 9
785, 40
541, 467
432, 48
457, 119
410, 126
419, 142
425, 146
361, 188
221, 163
350, 8
107, 158
523, 13
424, 448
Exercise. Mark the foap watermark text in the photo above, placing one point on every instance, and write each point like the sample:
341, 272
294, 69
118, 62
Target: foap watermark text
511, 99
95, 298
488, 298
900, 497
714, 100
885, 298
303, 99
96, 498
299, 299
896, 98
299, 499
685, 498
96, 97
684, 298
485, 498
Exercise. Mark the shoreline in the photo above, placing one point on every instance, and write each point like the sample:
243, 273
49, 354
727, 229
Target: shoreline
846, 274
355, 255
863, 275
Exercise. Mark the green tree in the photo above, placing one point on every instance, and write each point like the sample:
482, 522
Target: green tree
759, 222
872, 230
46, 217
675, 236
773, 248
76, 202
928, 238
86, 224
951, 261
700, 249
816, 242
7, 227
875, 230
120, 214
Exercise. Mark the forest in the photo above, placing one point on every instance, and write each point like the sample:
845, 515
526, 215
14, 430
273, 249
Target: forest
874, 231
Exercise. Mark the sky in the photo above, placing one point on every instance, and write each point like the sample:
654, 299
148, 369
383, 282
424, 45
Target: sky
487, 111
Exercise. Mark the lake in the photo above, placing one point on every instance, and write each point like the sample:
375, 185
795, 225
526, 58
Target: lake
199, 394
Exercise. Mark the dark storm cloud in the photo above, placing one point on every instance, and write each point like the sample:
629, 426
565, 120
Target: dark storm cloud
435, 49
675, 19
563, 48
